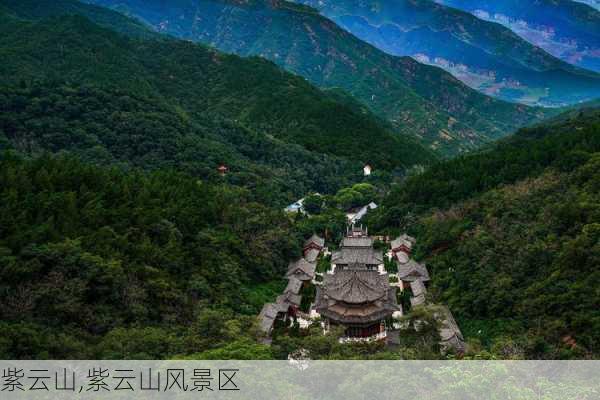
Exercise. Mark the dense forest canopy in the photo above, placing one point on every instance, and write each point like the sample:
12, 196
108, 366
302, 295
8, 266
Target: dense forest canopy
215, 108
98, 262
109, 126
563, 142
89, 252
511, 237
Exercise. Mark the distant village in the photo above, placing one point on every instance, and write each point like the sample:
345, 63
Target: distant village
356, 292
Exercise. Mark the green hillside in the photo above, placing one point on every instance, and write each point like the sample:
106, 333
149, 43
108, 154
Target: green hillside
418, 100
101, 263
512, 240
35, 9
70, 85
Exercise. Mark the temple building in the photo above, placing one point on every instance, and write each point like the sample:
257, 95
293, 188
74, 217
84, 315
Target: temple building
313, 247
270, 313
402, 246
294, 286
301, 270
356, 293
300, 274
358, 299
411, 271
357, 249
372, 260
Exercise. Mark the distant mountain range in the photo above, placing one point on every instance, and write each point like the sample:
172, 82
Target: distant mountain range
418, 100
566, 29
484, 55
67, 84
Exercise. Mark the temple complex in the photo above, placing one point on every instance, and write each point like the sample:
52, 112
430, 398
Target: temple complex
300, 274
356, 292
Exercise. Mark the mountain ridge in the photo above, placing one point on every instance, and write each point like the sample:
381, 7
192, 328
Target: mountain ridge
68, 84
418, 100
511, 238
486, 56
566, 29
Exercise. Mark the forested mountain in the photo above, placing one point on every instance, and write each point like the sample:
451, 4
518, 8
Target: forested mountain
567, 29
485, 55
70, 85
35, 9
512, 240
100, 263
418, 100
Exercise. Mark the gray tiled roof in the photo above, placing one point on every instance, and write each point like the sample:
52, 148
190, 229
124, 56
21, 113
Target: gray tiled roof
311, 255
450, 334
357, 255
319, 241
302, 270
418, 293
269, 310
356, 286
287, 299
417, 288
345, 313
404, 239
294, 285
417, 301
267, 317
364, 241
412, 270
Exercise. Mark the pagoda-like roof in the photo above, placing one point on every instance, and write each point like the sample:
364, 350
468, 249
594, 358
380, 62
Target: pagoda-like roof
356, 296
357, 255
302, 270
367, 313
355, 286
